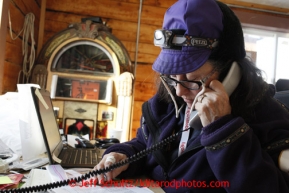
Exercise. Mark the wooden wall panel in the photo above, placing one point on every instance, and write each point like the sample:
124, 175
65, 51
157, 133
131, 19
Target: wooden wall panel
136, 117
144, 88
157, 3
3, 31
11, 77
126, 31
143, 91
107, 9
144, 73
256, 7
128, 37
121, 16
17, 19
13, 53
18, 10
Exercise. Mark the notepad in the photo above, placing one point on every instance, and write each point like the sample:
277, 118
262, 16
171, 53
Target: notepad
37, 177
5, 180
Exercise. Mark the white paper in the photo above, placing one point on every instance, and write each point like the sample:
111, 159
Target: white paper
56, 173
37, 177
31, 137
99, 189
72, 174
9, 121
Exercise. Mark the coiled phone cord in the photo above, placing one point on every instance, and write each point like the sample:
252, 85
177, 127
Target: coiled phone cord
92, 173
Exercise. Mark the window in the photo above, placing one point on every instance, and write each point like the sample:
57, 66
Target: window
269, 50
282, 61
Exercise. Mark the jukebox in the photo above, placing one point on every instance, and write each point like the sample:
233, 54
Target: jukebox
89, 75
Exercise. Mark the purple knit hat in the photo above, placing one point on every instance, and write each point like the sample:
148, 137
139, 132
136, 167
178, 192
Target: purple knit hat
198, 19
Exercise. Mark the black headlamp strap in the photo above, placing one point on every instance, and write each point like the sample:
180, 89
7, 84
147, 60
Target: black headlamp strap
186, 40
176, 38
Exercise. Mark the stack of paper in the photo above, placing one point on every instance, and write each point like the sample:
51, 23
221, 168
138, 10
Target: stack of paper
55, 173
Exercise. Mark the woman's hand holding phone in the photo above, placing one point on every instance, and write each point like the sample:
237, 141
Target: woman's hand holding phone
213, 103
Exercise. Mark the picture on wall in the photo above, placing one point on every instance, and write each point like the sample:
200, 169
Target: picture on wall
101, 129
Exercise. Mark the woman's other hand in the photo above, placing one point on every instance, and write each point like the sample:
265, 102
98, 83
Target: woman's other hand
107, 161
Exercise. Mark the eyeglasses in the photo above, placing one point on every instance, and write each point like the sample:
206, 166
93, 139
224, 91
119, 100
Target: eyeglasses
189, 84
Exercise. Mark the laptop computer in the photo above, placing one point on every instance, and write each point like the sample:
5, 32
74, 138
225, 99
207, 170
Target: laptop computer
66, 156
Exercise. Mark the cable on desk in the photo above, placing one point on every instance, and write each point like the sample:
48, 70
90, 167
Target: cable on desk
92, 173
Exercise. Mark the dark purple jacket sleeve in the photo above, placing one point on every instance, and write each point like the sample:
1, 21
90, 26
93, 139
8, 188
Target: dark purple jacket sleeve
235, 154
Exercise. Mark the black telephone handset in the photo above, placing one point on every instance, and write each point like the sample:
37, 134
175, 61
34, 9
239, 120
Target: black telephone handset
230, 83
83, 143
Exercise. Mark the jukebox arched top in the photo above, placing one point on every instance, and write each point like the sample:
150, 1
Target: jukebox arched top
96, 34
85, 57
82, 61
82, 69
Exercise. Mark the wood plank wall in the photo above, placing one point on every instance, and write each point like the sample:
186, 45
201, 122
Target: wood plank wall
13, 54
120, 15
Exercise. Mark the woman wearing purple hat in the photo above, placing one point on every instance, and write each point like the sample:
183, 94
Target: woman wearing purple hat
229, 133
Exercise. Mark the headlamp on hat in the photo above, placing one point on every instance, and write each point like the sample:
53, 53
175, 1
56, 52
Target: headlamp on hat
172, 38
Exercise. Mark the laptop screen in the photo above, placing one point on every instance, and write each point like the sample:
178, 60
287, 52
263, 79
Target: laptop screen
47, 120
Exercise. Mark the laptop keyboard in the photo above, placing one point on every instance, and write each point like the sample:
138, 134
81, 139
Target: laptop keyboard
79, 156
